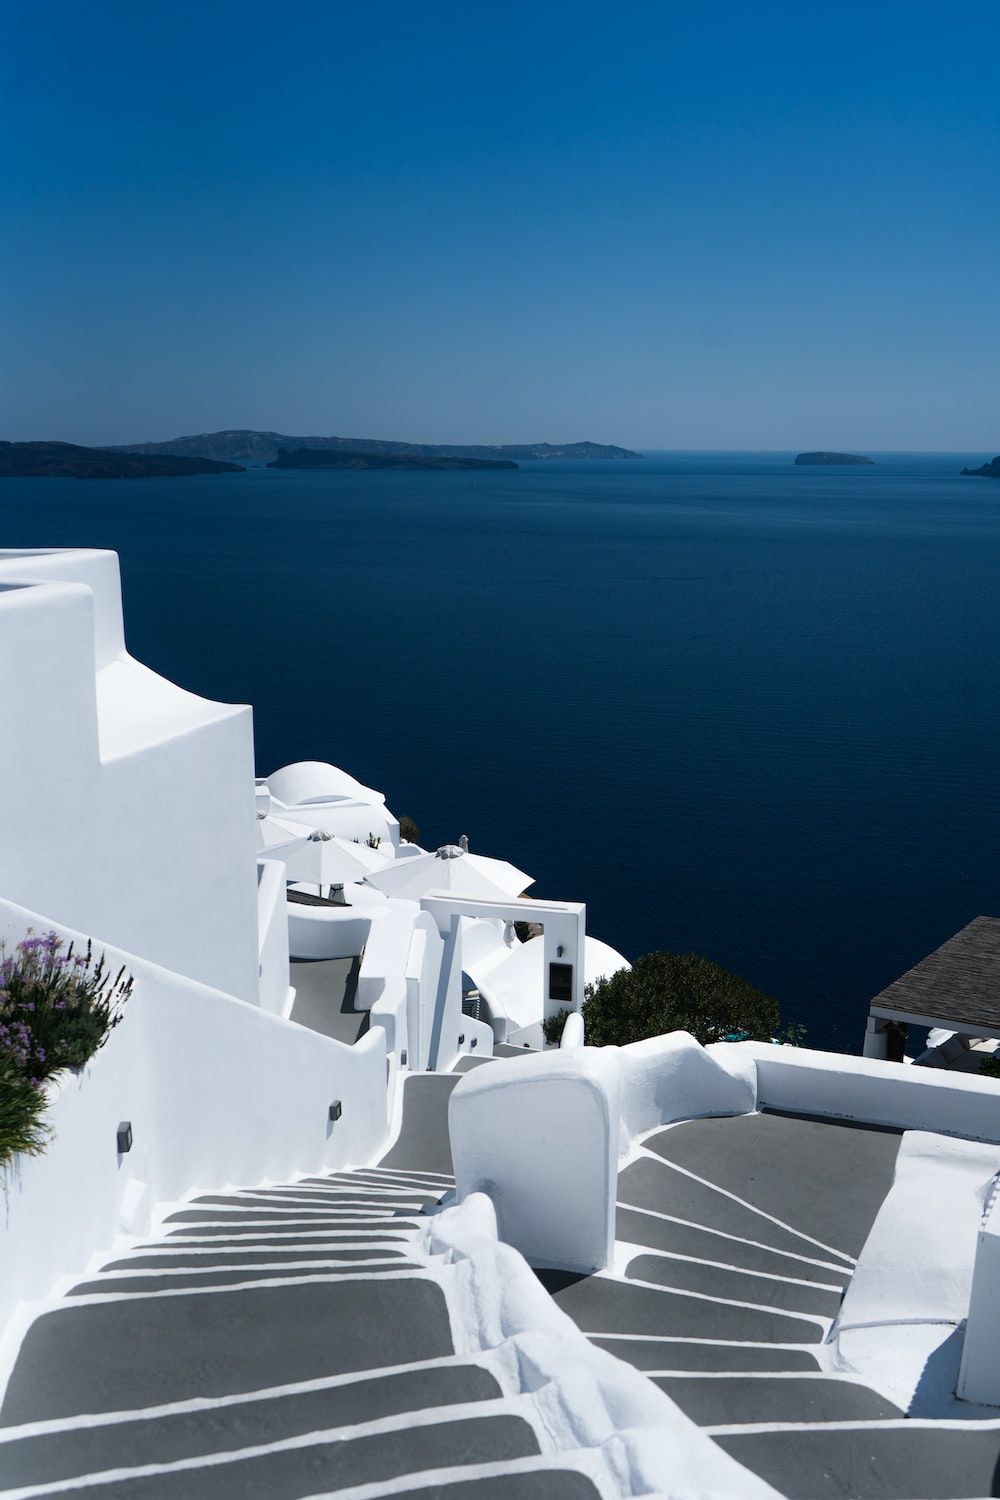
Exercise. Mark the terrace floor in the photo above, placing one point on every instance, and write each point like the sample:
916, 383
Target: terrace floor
737, 1238
325, 997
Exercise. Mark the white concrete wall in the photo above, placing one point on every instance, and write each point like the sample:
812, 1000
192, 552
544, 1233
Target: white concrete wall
518, 1010
328, 932
979, 1376
126, 804
96, 570
673, 1077
573, 1032
875, 1092
219, 1093
410, 980
272, 937
443, 1011
539, 1135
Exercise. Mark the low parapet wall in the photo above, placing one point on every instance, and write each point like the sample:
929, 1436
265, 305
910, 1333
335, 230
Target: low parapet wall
543, 1136
872, 1092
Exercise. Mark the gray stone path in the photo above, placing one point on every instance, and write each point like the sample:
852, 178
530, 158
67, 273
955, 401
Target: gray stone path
289, 1341
745, 1231
273, 1344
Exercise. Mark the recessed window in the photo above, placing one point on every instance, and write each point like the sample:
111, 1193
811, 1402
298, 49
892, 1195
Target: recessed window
561, 983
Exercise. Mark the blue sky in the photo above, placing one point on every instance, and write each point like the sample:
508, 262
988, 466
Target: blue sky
666, 225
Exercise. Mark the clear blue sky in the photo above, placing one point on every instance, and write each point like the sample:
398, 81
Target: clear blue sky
661, 224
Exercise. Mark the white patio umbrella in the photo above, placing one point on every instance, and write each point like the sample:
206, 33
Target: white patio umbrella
276, 835
323, 859
451, 869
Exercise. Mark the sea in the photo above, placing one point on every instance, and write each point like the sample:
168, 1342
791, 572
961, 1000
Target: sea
738, 707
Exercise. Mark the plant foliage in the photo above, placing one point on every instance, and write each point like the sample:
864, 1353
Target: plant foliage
21, 1108
673, 992
57, 1008
408, 830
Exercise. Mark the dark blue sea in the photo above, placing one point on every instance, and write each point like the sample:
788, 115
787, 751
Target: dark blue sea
735, 706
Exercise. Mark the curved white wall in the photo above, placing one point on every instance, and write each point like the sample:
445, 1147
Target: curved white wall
539, 1136
316, 780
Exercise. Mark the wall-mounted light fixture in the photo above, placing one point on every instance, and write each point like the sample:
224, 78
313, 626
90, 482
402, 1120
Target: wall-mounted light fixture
124, 1137
559, 951
336, 1109
402, 1058
461, 1038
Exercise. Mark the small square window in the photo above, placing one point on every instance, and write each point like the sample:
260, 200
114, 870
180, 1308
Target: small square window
561, 983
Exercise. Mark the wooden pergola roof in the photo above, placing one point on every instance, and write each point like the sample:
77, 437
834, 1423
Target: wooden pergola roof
956, 987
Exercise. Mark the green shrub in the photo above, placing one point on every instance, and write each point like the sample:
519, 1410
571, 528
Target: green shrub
673, 992
22, 1105
989, 1067
408, 830
57, 1008
553, 1026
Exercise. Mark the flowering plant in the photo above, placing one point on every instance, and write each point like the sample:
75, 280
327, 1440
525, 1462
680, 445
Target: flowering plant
57, 1008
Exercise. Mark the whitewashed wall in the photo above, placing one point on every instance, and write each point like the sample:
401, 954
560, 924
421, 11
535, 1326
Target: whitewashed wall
127, 804
539, 1136
218, 1093
871, 1091
328, 931
272, 937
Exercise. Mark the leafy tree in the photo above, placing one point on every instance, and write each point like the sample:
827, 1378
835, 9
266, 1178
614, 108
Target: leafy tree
673, 992
408, 830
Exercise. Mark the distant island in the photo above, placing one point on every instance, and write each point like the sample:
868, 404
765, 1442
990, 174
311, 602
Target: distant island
343, 458
247, 446
987, 471
832, 458
43, 460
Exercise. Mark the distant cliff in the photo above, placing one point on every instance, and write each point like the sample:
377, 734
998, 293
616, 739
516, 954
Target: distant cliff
244, 445
832, 458
70, 461
343, 458
987, 471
